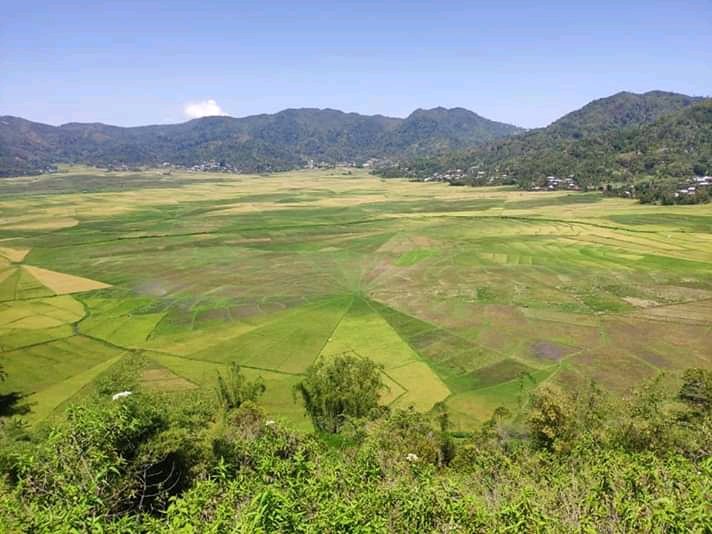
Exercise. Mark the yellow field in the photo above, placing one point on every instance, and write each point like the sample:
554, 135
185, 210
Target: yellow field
62, 283
423, 387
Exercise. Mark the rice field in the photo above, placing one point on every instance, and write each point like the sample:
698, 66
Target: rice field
472, 297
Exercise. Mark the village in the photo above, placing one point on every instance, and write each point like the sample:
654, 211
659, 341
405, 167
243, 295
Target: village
693, 185
554, 183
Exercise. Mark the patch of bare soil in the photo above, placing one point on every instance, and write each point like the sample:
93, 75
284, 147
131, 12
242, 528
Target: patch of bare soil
641, 303
548, 351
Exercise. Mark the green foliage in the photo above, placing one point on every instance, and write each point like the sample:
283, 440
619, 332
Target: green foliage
696, 390
234, 389
621, 139
285, 140
123, 376
406, 438
338, 388
551, 419
647, 424
111, 467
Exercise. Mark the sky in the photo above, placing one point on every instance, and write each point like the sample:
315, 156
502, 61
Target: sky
523, 62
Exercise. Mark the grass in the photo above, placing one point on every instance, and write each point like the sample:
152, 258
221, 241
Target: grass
364, 332
31, 369
414, 256
44, 402
456, 291
289, 344
423, 387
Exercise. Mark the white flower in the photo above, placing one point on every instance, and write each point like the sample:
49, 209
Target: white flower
412, 457
120, 395
270, 422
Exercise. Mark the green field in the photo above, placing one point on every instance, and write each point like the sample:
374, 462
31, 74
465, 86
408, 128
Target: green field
470, 296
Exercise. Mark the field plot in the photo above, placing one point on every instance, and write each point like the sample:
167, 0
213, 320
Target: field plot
469, 296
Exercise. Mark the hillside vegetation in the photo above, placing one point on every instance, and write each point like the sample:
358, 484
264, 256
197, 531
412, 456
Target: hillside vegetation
148, 462
285, 140
618, 139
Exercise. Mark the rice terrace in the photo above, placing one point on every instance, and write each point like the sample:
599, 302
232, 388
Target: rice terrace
469, 296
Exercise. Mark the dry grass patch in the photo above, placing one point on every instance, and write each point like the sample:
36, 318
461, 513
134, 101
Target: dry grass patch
423, 387
640, 303
15, 255
32, 223
693, 312
62, 283
6, 273
615, 369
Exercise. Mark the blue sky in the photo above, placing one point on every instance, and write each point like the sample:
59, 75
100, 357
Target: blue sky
525, 62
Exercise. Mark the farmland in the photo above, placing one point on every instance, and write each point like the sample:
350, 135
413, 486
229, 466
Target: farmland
471, 296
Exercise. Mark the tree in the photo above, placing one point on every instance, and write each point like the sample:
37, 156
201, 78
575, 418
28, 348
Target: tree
447, 445
234, 389
551, 419
335, 389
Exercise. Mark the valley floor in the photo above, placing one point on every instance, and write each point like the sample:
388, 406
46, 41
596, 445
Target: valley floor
470, 296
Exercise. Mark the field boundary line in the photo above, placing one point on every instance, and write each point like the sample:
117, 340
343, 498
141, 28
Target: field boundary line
226, 364
346, 311
222, 232
553, 368
667, 305
33, 345
435, 328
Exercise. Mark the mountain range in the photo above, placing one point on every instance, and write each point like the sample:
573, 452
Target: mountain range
265, 142
614, 139
617, 139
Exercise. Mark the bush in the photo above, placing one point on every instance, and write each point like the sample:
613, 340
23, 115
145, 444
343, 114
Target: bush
173, 463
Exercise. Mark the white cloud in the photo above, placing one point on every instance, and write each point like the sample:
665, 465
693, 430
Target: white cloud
205, 108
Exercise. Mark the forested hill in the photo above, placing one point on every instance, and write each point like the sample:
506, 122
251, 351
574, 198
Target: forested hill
618, 111
280, 141
617, 138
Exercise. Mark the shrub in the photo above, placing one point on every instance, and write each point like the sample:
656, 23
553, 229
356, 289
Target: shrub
234, 389
551, 419
696, 390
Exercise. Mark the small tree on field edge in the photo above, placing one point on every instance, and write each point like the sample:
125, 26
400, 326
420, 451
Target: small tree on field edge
234, 389
338, 388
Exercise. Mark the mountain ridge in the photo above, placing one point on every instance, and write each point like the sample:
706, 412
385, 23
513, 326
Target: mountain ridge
278, 141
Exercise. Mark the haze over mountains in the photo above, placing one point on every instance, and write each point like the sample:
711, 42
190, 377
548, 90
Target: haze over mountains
280, 141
